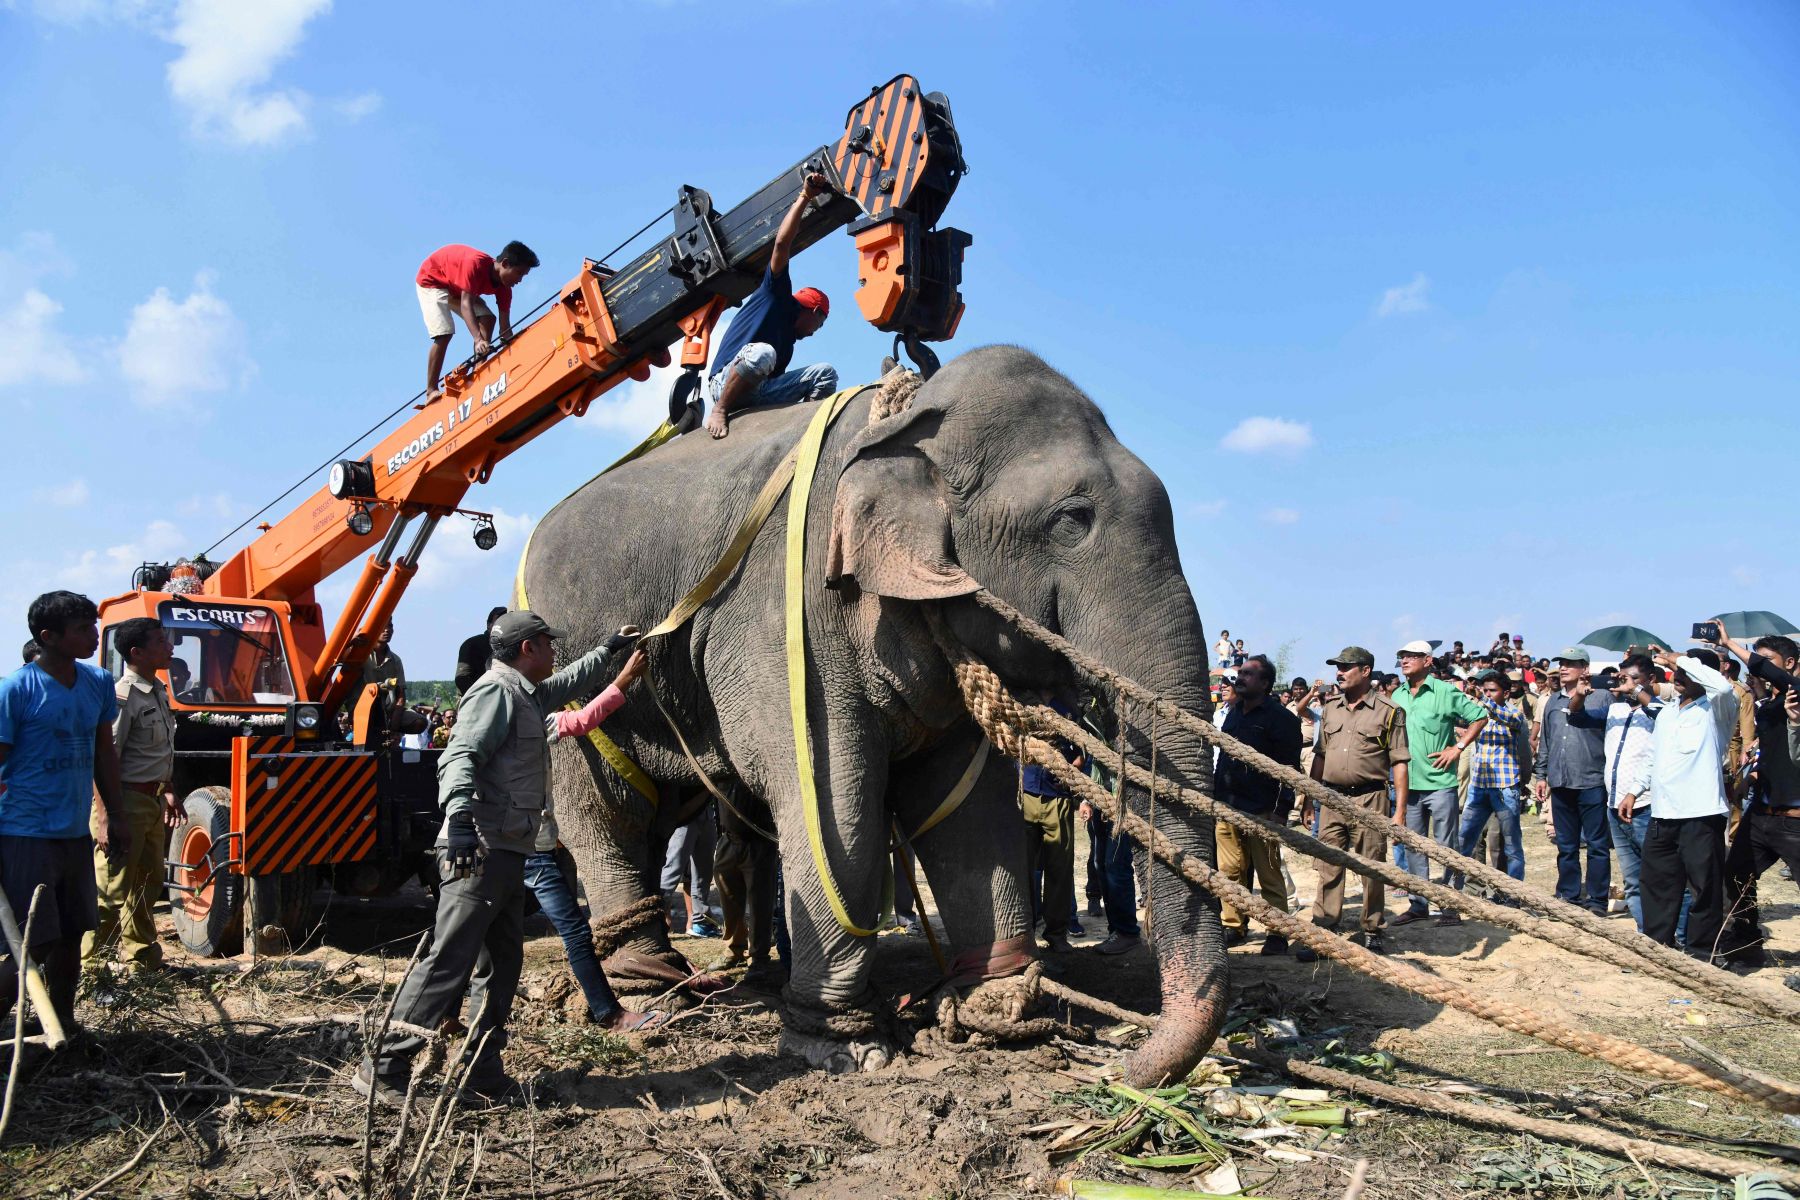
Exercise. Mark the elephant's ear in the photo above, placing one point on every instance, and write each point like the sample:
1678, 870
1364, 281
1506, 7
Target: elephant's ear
890, 522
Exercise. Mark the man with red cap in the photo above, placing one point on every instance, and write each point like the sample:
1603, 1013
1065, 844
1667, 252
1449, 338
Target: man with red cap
751, 366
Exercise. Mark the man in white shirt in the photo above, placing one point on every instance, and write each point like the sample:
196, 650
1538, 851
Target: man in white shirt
1630, 726
1685, 844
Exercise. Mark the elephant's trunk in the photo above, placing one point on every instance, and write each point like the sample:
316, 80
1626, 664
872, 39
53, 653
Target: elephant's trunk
1184, 919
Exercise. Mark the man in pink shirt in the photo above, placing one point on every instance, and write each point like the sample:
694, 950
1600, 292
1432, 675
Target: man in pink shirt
451, 283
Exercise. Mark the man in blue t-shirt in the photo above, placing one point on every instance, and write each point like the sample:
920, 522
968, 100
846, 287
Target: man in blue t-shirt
56, 750
751, 366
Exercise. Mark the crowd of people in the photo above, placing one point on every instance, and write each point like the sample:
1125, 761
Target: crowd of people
1678, 770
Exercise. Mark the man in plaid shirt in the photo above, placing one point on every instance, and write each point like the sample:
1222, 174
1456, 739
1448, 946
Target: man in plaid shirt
1494, 778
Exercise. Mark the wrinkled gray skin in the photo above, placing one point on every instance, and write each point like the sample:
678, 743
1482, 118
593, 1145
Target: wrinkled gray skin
1000, 472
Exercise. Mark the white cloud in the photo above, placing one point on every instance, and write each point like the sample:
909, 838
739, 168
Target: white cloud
218, 504
1268, 435
1406, 298
1205, 508
229, 50
175, 349
634, 408
108, 572
1746, 576
1281, 516
72, 494
32, 349
355, 108
94, 573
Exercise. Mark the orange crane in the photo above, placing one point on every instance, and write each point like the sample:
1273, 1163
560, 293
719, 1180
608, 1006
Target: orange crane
276, 797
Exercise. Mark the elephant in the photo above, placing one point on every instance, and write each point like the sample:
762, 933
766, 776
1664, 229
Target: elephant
1000, 474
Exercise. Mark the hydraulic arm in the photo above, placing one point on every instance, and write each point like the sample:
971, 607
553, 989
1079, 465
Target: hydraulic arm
894, 170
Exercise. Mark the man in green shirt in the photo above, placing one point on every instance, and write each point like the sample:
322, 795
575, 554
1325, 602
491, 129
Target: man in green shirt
1441, 724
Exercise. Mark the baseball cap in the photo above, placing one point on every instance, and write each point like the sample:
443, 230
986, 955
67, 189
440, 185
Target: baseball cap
1416, 647
1351, 656
517, 626
1574, 654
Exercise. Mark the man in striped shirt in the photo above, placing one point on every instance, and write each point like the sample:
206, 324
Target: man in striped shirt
1494, 777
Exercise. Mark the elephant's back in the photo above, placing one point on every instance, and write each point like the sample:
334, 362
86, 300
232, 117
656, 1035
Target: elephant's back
626, 545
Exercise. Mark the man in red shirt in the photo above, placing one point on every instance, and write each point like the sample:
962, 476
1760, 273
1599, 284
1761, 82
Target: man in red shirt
453, 281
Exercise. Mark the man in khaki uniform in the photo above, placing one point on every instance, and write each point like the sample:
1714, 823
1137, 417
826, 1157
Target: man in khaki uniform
144, 733
1362, 736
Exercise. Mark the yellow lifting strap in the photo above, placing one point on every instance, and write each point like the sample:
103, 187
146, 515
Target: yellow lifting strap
958, 794
795, 605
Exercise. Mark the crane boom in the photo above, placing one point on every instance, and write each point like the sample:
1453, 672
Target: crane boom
893, 171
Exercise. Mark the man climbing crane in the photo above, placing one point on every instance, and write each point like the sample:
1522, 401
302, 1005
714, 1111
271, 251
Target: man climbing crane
750, 368
452, 283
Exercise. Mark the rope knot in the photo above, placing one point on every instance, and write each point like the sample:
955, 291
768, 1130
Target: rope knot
898, 387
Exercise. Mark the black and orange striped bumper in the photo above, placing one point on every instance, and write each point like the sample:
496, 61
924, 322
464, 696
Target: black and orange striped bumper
299, 808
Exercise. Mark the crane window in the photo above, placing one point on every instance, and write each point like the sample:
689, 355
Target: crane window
226, 654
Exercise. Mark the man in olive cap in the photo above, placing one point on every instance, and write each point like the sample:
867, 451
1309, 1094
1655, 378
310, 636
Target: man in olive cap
1362, 738
494, 785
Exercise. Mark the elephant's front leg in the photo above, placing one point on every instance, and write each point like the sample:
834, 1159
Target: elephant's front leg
833, 870
973, 854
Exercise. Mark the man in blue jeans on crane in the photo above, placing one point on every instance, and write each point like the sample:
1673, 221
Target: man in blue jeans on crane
751, 366
1571, 761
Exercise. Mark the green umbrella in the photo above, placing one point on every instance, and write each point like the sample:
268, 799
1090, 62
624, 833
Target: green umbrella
1622, 638
1755, 624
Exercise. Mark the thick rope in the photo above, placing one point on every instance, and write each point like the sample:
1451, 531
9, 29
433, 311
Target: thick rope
1008, 722
1063, 991
1567, 937
1699, 1161
898, 387
612, 930
1714, 982
994, 1011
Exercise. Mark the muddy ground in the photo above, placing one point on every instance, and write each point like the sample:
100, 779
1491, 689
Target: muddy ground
170, 1100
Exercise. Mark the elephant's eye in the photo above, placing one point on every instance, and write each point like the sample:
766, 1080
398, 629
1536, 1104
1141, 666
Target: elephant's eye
1072, 521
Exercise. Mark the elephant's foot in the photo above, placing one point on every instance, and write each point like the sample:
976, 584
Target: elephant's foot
835, 1056
839, 1039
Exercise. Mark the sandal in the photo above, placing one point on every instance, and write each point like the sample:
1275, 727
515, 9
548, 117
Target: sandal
627, 1021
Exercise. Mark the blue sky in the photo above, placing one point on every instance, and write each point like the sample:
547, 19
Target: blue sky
1435, 321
